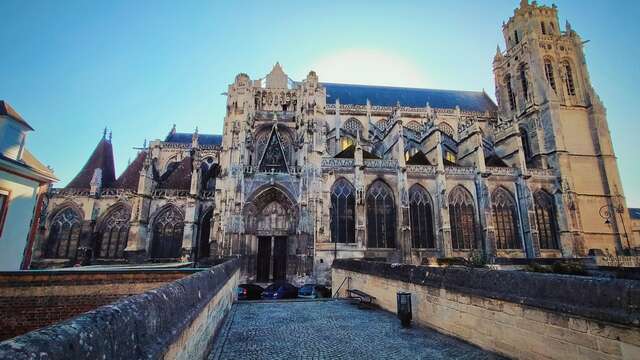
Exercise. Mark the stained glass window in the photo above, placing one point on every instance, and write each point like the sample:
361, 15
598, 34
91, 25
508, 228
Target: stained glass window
64, 234
381, 216
505, 220
546, 220
167, 234
420, 205
462, 218
343, 207
114, 232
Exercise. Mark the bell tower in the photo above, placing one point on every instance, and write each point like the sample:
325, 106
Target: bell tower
543, 86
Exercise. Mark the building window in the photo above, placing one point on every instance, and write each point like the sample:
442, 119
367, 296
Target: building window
422, 236
510, 94
64, 235
343, 212
515, 34
506, 220
523, 81
345, 142
4, 205
450, 157
381, 216
543, 28
546, 220
114, 233
571, 89
462, 219
548, 72
167, 234
526, 146
353, 126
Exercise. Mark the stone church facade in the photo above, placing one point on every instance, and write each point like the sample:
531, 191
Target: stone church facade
306, 172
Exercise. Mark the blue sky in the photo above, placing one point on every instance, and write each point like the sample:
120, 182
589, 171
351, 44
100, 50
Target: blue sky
73, 67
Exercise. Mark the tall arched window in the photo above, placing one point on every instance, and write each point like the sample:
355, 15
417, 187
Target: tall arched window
548, 72
167, 234
523, 81
64, 234
510, 94
462, 218
546, 220
571, 89
505, 219
420, 206
353, 126
113, 234
526, 146
204, 234
343, 212
381, 216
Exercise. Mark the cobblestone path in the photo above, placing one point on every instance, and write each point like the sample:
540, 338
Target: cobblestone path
329, 330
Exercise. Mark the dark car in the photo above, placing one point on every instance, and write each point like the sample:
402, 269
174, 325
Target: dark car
249, 291
280, 290
314, 291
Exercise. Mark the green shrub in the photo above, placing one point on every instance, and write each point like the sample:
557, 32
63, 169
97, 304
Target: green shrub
535, 267
569, 268
477, 258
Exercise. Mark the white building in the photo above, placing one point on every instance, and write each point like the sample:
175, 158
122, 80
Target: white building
23, 183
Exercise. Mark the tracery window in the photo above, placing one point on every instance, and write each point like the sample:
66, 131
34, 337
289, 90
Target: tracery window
345, 142
264, 138
548, 72
510, 94
343, 212
505, 219
381, 216
446, 128
64, 234
353, 126
167, 234
422, 236
114, 233
415, 126
546, 220
462, 218
571, 89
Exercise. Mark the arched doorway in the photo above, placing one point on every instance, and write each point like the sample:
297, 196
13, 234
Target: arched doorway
271, 218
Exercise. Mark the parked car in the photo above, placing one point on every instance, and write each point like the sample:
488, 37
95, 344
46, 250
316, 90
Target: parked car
249, 291
314, 291
280, 290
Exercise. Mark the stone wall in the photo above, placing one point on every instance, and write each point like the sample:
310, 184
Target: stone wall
514, 313
30, 300
177, 320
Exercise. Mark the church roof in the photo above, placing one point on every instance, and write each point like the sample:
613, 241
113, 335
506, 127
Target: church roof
418, 158
349, 153
634, 213
180, 177
411, 97
495, 161
185, 138
101, 158
7, 110
131, 175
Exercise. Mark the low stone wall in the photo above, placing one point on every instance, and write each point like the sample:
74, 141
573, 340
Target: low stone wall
175, 321
30, 300
514, 313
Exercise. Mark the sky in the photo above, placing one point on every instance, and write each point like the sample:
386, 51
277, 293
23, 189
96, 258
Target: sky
70, 68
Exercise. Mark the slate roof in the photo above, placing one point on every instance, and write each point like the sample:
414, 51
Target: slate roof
131, 175
185, 138
102, 157
418, 158
495, 161
411, 97
349, 153
634, 213
180, 177
7, 110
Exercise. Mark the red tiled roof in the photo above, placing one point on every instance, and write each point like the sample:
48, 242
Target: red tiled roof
101, 158
7, 110
180, 177
131, 175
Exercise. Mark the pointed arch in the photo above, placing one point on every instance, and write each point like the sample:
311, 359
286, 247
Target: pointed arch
510, 93
505, 217
343, 212
353, 126
549, 74
64, 233
421, 216
568, 79
274, 157
381, 216
546, 222
462, 218
168, 225
204, 233
113, 232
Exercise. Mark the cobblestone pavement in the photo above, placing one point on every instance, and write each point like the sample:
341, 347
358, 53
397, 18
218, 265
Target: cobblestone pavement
329, 330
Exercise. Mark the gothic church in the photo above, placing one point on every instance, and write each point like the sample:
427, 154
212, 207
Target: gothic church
307, 171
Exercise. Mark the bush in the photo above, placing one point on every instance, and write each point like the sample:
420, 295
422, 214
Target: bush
477, 258
535, 267
447, 261
569, 268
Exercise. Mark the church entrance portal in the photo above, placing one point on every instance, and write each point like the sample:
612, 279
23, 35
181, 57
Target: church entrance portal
272, 258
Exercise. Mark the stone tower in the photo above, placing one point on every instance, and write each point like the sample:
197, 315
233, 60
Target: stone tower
543, 86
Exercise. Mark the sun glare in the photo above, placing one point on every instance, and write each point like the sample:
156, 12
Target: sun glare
369, 66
